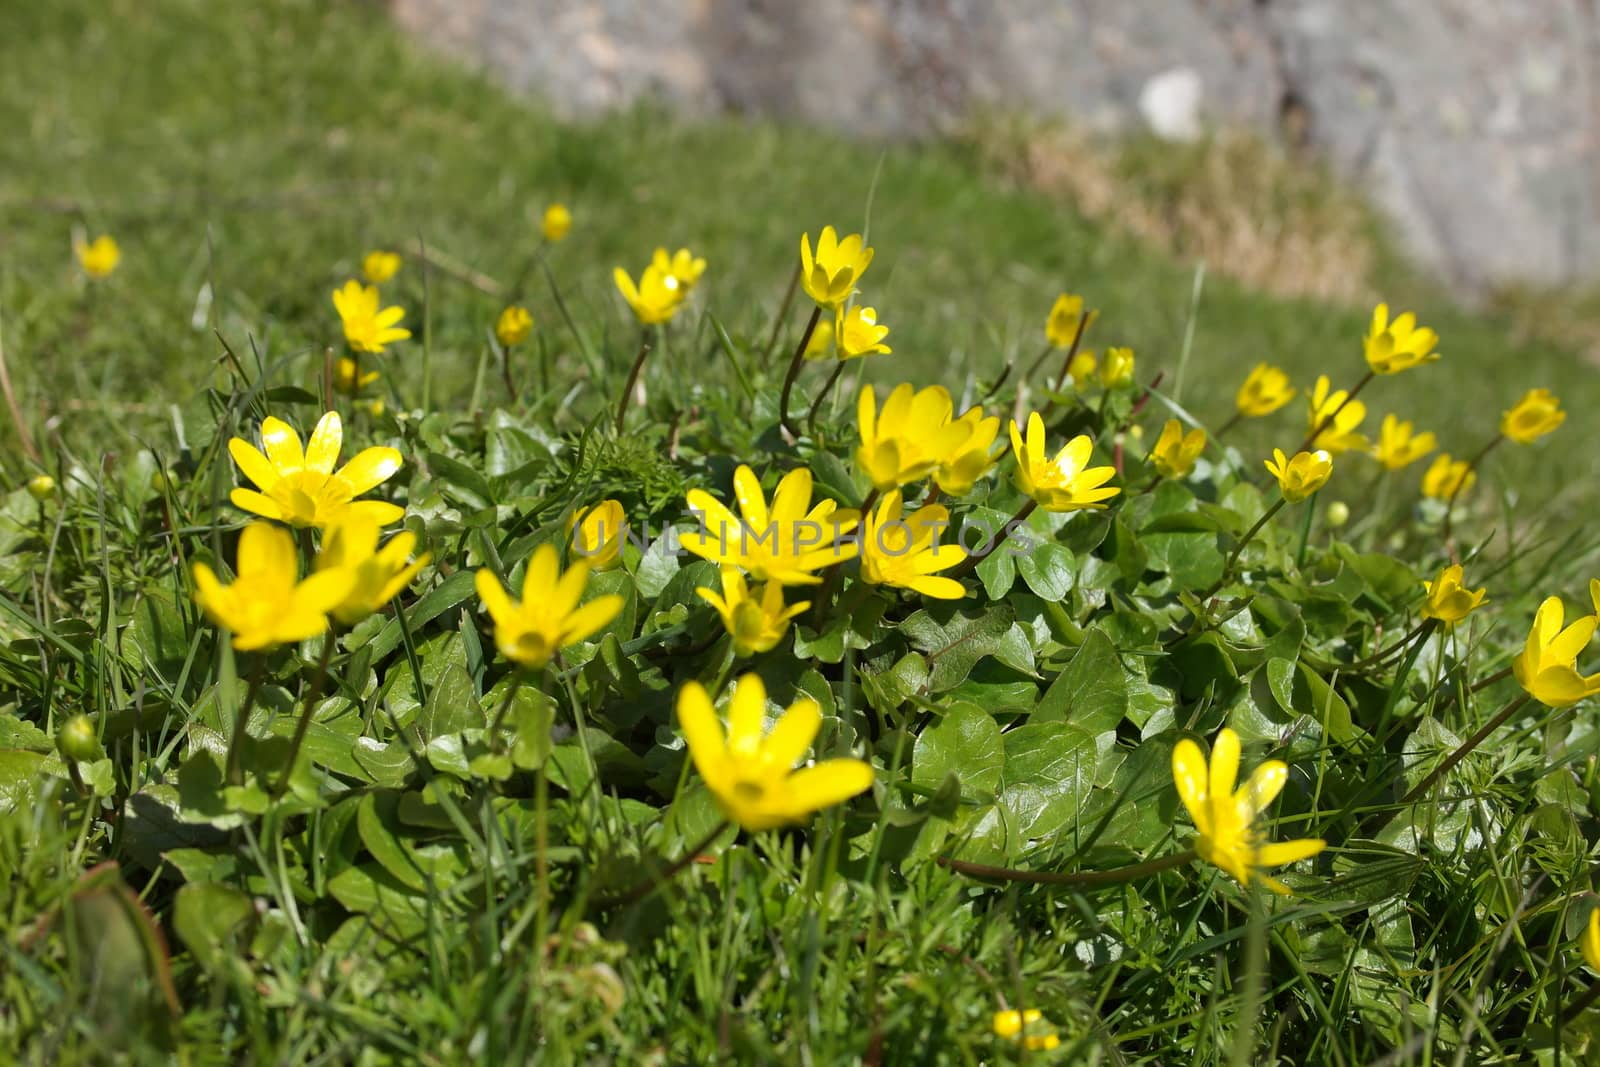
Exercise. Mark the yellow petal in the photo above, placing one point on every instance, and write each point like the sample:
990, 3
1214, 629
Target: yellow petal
370, 468
322, 451
793, 733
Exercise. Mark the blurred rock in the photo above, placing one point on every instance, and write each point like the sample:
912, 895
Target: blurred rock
1470, 122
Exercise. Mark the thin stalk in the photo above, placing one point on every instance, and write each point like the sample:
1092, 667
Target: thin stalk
1327, 420
235, 769
794, 370
1038, 361
968, 565
633, 378
816, 405
1426, 626
660, 878
1072, 351
1115, 876
312, 693
1580, 1003
1233, 420
1465, 747
1227, 568
1472, 467
783, 313
505, 706
1305, 530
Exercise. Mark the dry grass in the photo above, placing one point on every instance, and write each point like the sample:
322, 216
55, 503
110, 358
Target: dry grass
1232, 200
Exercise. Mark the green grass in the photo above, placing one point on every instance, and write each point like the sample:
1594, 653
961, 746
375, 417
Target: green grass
456, 909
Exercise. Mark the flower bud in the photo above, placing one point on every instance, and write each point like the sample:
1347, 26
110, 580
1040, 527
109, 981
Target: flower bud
77, 740
41, 487
1338, 514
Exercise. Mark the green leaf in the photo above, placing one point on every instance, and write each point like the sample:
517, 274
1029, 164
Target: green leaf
1191, 559
997, 571
415, 866
1048, 569
1049, 771
955, 638
213, 921
964, 742
383, 764
452, 705
19, 771
1092, 693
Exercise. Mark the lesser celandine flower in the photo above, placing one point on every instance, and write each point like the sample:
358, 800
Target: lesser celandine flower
379, 266
368, 327
41, 487
300, 487
859, 333
1448, 600
1446, 478
1338, 431
1398, 447
1547, 668
267, 604
99, 257
750, 771
962, 466
783, 544
547, 618
513, 326
1265, 390
906, 551
1301, 476
1176, 451
1066, 482
379, 573
597, 534
909, 438
1536, 414
1116, 367
831, 275
557, 223
683, 265
1392, 347
656, 298
1224, 817
349, 378
1081, 368
820, 344
1061, 328
1589, 944
755, 619
1017, 1024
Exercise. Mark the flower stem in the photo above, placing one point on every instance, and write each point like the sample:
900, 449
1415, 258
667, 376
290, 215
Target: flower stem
1115, 876
1230, 424
505, 706
1472, 466
794, 370
816, 405
783, 312
1582, 1002
1072, 351
235, 768
1426, 626
1465, 747
968, 565
1249, 535
633, 378
660, 878
1327, 420
313, 691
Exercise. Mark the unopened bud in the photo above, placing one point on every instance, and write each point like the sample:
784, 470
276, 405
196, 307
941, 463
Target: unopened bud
1338, 513
76, 739
41, 487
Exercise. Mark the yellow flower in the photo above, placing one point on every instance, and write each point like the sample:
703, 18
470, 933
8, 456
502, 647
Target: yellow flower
1065, 483
1176, 451
267, 604
820, 345
859, 333
1446, 478
1338, 432
348, 379
783, 544
1548, 665
379, 267
1013, 1023
41, 487
970, 460
1301, 476
1061, 328
513, 326
683, 265
1448, 600
750, 771
1265, 390
907, 552
1081, 367
548, 617
1116, 368
557, 222
375, 406
379, 573
1224, 817
1392, 347
99, 257
598, 533
756, 620
300, 487
1589, 945
1397, 447
909, 438
367, 328
657, 297
1536, 414
831, 275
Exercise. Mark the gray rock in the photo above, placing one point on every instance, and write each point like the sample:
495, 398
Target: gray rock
1471, 123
